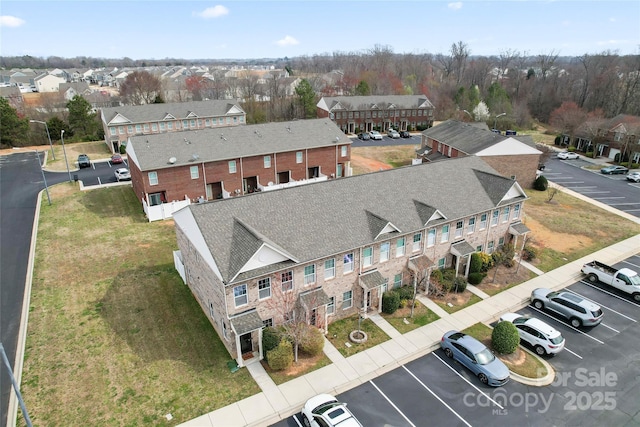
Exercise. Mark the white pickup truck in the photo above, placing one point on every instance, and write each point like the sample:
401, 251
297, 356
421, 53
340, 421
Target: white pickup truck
624, 279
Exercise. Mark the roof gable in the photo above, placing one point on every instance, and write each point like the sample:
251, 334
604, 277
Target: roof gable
508, 147
119, 118
379, 225
427, 213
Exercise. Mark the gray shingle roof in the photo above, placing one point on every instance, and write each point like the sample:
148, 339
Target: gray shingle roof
154, 151
462, 136
179, 110
318, 220
381, 101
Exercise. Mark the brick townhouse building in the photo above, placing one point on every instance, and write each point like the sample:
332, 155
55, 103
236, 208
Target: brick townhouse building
123, 122
355, 114
221, 163
511, 156
334, 247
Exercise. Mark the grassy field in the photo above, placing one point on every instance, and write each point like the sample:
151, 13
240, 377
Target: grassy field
339, 335
568, 228
114, 337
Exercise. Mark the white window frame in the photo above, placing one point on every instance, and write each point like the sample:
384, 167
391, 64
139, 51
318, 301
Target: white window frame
331, 306
343, 151
347, 263
483, 221
329, 268
400, 247
397, 280
495, 216
444, 236
490, 247
267, 162
195, 172
385, 249
153, 178
232, 166
287, 285
505, 214
431, 237
309, 277
264, 288
238, 295
442, 263
347, 297
471, 225
298, 156
367, 260
417, 242
516, 211
459, 228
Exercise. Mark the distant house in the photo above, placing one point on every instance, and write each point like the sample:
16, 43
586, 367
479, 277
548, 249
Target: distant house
13, 95
330, 250
69, 90
172, 170
512, 156
617, 138
355, 114
121, 123
48, 83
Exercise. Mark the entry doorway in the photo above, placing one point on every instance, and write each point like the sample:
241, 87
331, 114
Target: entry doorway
246, 343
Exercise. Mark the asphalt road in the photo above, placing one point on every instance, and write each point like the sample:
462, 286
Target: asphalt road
20, 182
386, 141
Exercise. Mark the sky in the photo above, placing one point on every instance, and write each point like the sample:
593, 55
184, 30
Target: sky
158, 29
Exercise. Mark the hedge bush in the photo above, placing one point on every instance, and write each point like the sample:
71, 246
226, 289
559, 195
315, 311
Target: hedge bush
281, 357
390, 302
541, 183
436, 276
405, 292
476, 278
312, 342
475, 265
505, 338
459, 284
529, 253
270, 339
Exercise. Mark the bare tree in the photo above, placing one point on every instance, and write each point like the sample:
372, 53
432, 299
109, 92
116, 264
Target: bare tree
505, 59
140, 87
460, 53
290, 315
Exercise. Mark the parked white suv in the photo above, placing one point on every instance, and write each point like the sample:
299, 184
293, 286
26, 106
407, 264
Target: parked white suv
544, 338
579, 311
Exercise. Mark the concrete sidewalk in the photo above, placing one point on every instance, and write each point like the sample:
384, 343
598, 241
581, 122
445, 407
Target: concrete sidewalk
278, 402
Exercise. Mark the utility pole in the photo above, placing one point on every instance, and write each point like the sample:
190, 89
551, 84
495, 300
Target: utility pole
15, 387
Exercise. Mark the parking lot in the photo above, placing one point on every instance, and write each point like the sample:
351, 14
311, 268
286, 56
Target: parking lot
612, 190
100, 172
597, 379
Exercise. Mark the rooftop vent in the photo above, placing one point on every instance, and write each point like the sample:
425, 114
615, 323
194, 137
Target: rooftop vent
172, 160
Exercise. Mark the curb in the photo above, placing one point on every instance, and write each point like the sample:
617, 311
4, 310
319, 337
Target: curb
535, 382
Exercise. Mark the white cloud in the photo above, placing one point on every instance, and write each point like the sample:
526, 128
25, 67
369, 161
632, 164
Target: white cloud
11, 21
287, 41
455, 6
213, 12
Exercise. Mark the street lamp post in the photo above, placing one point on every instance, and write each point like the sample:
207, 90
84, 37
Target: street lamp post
46, 187
48, 135
470, 115
65, 153
495, 121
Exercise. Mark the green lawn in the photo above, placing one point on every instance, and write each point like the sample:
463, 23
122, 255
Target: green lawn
339, 335
473, 298
402, 321
114, 336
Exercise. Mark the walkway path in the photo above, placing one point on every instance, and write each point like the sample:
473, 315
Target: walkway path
278, 402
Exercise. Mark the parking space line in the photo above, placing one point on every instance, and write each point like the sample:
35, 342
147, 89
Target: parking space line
584, 282
575, 354
567, 325
436, 396
601, 305
607, 326
630, 263
295, 418
467, 381
394, 406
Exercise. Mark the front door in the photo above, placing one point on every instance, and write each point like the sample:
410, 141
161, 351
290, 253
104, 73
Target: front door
246, 344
